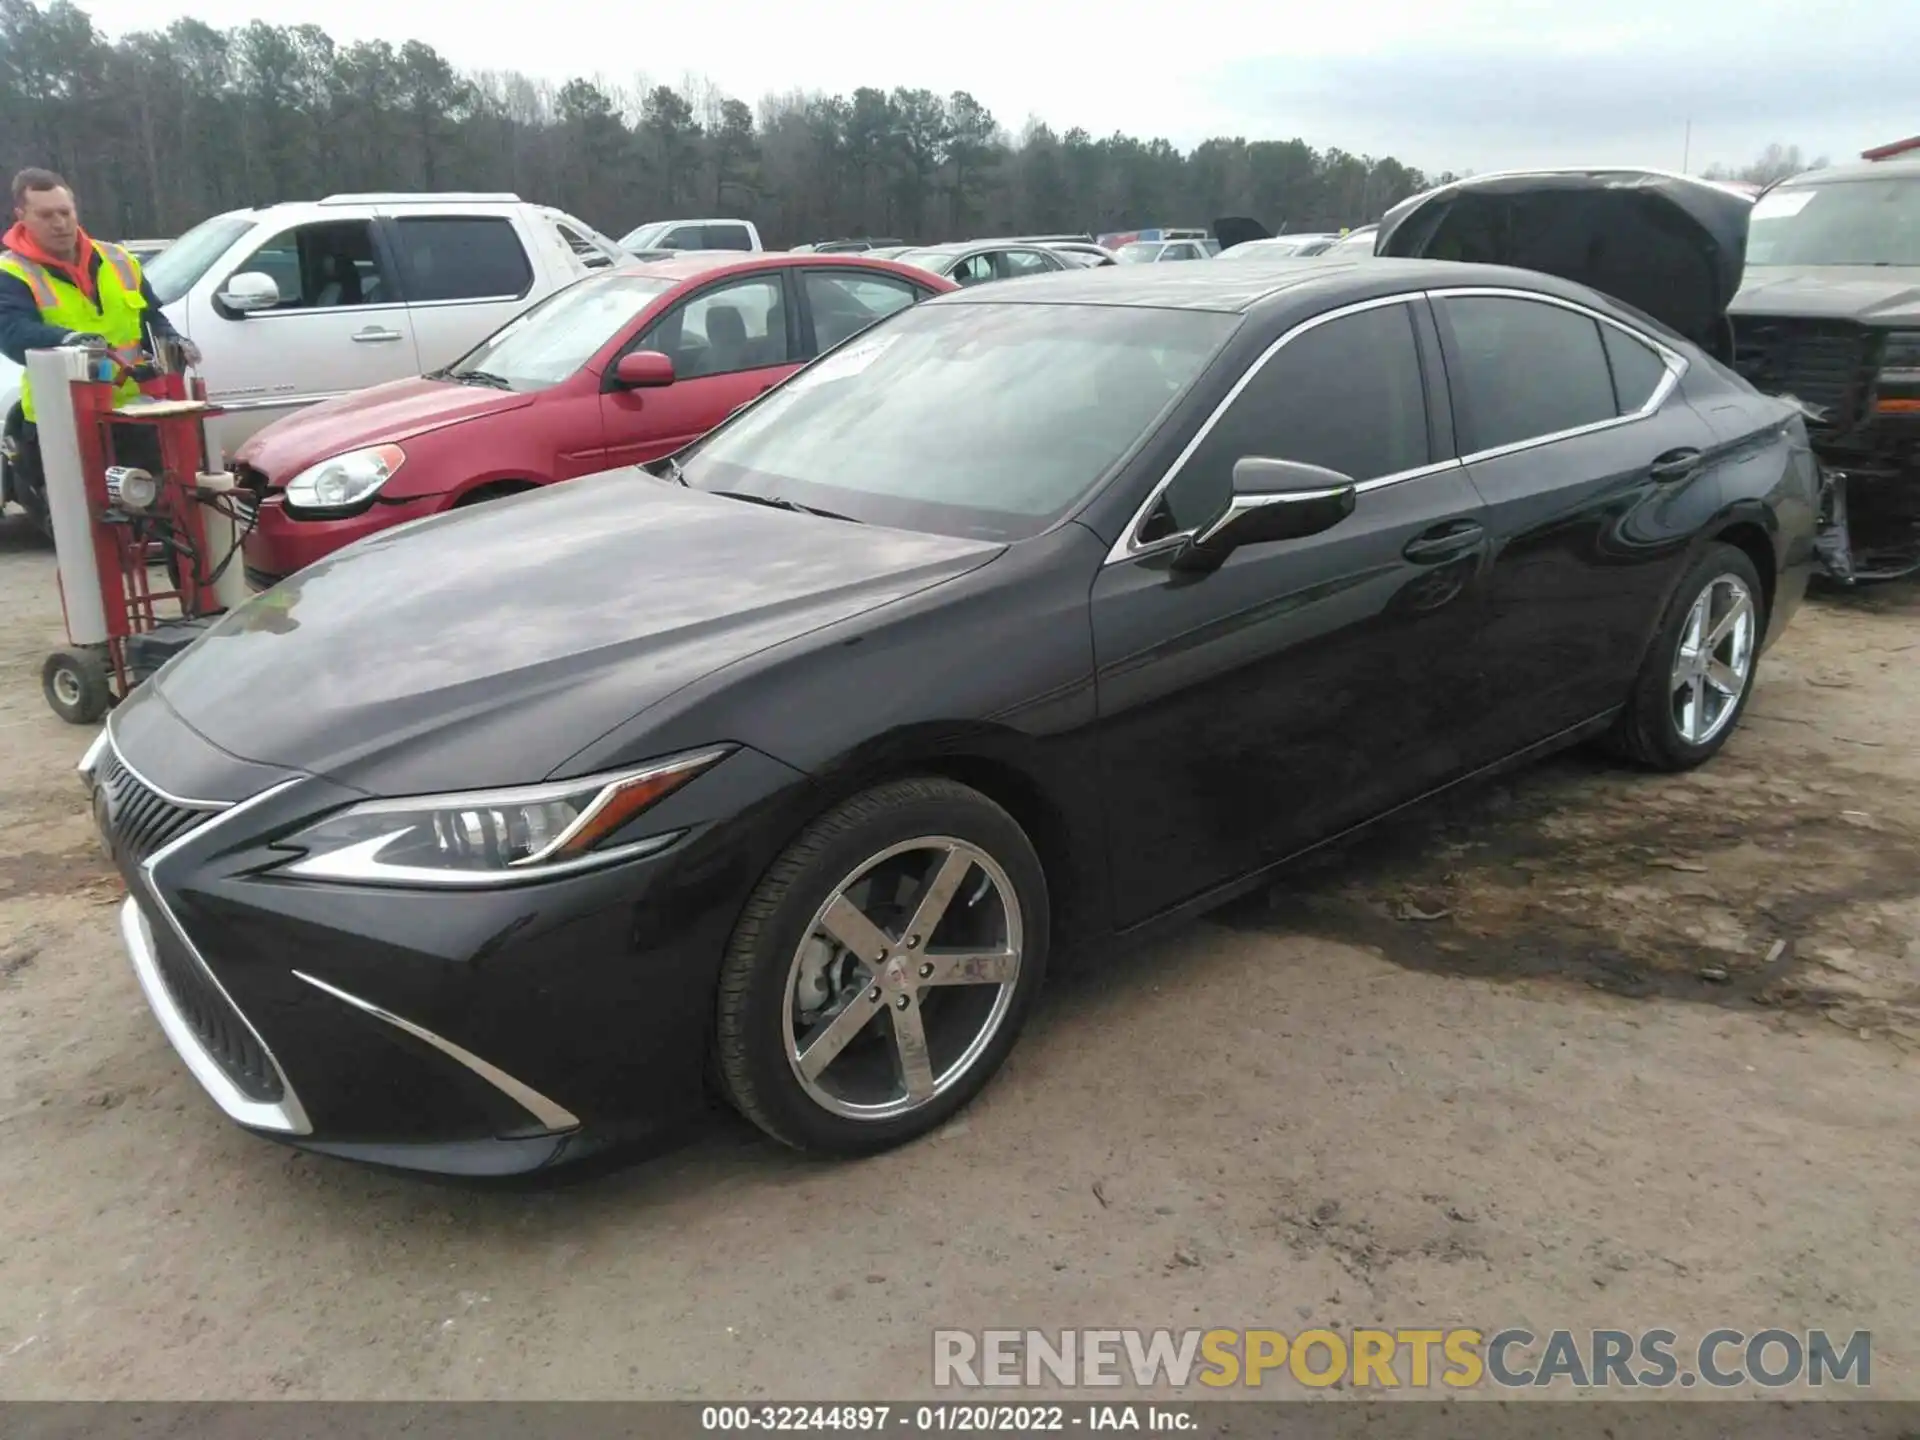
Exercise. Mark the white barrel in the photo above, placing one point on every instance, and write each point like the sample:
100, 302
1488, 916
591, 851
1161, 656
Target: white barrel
52, 372
223, 538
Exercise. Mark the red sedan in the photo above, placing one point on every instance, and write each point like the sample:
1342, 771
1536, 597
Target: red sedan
617, 369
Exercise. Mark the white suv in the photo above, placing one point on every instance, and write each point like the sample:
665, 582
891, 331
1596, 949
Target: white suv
301, 302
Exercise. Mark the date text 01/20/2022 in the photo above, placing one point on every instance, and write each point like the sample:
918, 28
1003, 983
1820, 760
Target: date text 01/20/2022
975, 1419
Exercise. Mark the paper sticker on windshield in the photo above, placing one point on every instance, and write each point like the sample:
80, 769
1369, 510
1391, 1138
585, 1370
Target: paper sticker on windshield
1782, 203
848, 360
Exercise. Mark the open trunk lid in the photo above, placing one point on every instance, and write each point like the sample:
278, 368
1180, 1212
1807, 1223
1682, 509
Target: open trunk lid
1232, 230
1670, 246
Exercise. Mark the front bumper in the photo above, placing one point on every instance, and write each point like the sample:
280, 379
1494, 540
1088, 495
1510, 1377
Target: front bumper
475, 1032
282, 543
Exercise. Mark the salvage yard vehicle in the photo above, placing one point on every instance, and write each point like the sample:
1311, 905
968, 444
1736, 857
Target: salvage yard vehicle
1830, 314
297, 303
615, 370
977, 262
1036, 615
659, 238
1824, 309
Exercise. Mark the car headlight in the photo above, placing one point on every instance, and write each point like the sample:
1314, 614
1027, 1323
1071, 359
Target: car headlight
345, 480
493, 837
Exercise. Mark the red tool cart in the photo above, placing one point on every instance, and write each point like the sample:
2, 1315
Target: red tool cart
149, 551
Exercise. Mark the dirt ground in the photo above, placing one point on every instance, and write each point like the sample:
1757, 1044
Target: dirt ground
1584, 1049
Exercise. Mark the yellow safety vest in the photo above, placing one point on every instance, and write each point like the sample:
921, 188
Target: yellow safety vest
116, 319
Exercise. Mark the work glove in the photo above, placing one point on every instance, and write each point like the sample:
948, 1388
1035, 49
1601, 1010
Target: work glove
189, 352
81, 340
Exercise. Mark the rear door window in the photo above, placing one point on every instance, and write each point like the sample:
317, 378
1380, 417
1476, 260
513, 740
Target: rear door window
1523, 370
461, 257
728, 237
1026, 262
1637, 368
845, 302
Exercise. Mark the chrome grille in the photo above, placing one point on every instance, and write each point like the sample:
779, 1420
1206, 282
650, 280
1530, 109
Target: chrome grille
143, 820
1825, 364
215, 1023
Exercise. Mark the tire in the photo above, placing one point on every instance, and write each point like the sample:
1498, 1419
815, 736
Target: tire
1658, 729
76, 685
882, 848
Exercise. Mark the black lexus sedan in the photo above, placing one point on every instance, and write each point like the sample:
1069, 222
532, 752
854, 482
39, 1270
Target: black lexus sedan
1033, 616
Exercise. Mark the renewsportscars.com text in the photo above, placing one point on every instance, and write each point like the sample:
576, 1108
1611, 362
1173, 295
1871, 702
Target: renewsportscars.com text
1455, 1359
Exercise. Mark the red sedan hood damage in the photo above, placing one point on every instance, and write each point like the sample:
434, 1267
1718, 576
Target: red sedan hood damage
387, 414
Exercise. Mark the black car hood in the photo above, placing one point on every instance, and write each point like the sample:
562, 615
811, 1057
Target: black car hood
1872, 294
486, 646
1670, 246
1232, 230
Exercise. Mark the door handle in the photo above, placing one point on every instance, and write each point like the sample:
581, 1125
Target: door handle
373, 335
1444, 542
1675, 465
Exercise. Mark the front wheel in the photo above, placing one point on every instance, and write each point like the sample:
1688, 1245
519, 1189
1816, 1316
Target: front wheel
1698, 675
882, 969
77, 685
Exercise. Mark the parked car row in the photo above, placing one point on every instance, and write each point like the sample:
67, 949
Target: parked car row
1027, 617
617, 369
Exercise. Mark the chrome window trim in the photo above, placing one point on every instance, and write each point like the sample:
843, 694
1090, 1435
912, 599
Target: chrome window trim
307, 312
463, 300
554, 1116
1676, 367
1128, 546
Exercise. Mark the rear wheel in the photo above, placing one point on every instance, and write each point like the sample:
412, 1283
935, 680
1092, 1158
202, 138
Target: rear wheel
882, 969
1698, 675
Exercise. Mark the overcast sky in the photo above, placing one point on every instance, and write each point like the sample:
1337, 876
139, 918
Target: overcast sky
1480, 84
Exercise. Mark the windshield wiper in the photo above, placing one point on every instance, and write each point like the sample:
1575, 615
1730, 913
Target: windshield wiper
781, 502
669, 469
480, 377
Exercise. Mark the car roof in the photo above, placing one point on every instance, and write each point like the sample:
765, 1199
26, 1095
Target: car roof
1901, 167
1308, 284
692, 264
968, 247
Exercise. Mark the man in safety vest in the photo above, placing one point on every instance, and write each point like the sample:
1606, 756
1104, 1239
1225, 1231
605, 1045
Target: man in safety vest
59, 286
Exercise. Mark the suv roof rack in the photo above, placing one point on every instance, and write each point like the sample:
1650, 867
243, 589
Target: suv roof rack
402, 197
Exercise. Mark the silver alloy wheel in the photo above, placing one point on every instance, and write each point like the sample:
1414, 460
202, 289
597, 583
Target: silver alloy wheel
1714, 660
942, 969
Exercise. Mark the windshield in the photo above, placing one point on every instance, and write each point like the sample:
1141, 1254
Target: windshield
178, 268
644, 236
1138, 252
555, 338
1358, 243
1846, 222
984, 421
926, 259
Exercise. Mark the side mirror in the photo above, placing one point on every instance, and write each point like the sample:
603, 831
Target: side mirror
250, 290
643, 370
1272, 500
